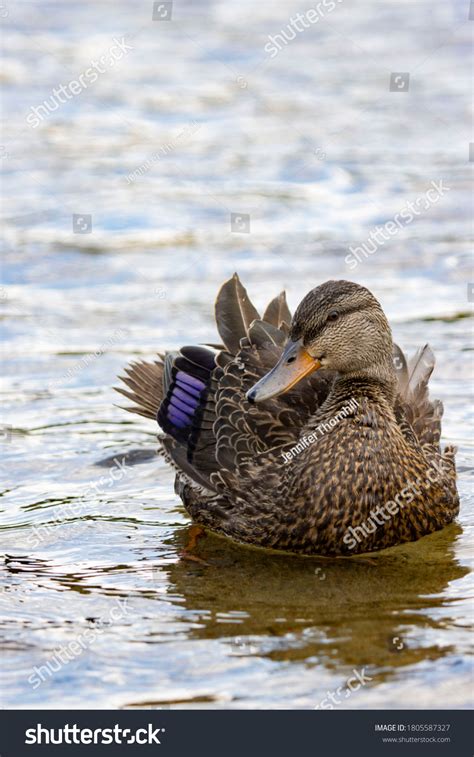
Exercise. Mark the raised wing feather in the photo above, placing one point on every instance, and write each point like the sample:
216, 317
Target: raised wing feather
423, 415
234, 313
278, 313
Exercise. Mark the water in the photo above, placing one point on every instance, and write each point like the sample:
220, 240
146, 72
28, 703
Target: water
317, 150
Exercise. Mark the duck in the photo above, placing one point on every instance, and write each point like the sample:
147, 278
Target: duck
310, 434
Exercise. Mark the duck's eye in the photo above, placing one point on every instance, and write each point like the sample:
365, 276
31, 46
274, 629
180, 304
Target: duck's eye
333, 315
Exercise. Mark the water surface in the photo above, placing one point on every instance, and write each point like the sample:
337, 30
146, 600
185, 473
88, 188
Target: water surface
194, 123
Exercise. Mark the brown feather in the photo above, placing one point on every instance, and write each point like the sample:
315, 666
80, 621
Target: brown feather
146, 383
277, 311
234, 313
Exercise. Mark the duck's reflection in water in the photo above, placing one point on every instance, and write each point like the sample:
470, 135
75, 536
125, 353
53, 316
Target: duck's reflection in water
383, 612
343, 612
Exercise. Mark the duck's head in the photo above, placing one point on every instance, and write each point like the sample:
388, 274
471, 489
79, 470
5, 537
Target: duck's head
338, 326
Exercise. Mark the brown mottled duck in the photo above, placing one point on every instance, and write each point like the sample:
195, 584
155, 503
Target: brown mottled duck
310, 434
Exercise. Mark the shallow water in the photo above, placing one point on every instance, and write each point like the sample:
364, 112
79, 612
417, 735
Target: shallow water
313, 146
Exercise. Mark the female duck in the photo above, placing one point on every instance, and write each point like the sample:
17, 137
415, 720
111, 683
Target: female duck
310, 434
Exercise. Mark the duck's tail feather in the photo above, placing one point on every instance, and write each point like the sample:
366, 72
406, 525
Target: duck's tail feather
145, 387
423, 414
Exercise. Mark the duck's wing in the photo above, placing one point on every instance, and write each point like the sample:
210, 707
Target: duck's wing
200, 403
414, 406
176, 391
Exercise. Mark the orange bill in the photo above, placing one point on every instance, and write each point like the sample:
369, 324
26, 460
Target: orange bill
293, 365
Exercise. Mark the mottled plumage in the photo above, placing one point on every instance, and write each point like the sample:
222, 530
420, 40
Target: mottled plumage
322, 467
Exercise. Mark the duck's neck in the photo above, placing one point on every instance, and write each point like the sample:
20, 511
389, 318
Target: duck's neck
377, 381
